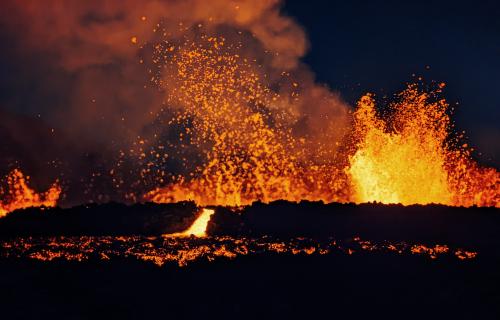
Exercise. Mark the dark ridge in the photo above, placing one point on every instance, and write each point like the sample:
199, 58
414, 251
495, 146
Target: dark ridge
424, 224
431, 223
100, 219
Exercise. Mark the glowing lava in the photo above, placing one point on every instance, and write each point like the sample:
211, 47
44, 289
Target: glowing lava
234, 137
183, 251
411, 157
242, 126
19, 195
199, 226
406, 165
233, 118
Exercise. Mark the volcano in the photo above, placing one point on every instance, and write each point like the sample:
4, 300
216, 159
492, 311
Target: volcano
194, 159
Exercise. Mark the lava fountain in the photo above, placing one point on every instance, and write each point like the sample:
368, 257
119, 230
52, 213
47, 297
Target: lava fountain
408, 155
250, 148
241, 138
18, 194
412, 157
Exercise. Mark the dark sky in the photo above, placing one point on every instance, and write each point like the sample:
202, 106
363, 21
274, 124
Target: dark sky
355, 47
376, 46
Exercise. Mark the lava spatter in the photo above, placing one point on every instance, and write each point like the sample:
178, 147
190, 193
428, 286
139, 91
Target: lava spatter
19, 195
410, 156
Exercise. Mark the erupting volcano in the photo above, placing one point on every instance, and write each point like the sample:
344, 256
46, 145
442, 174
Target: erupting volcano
411, 157
241, 121
152, 148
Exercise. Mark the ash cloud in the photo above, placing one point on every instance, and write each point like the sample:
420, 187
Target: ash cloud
73, 65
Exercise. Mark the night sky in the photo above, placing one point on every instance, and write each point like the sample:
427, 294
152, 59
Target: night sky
355, 47
376, 46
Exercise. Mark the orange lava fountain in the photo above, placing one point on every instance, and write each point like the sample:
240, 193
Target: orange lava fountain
411, 157
235, 118
408, 156
19, 195
252, 153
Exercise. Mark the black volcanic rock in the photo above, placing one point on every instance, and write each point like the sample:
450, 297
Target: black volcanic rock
431, 223
100, 219
424, 224
225, 222
364, 285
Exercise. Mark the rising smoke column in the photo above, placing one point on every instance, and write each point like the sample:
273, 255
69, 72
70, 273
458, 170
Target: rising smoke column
208, 100
101, 93
246, 117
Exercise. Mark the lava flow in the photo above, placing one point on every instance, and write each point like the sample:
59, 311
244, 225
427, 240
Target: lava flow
199, 226
19, 195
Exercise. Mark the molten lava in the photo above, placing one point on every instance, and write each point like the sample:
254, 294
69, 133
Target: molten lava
251, 152
411, 157
19, 195
183, 251
239, 141
199, 226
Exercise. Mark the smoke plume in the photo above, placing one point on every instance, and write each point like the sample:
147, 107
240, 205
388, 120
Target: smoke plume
82, 61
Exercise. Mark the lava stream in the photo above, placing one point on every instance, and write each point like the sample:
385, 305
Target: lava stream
199, 226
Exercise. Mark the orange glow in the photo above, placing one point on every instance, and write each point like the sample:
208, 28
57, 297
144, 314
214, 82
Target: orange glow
184, 250
409, 157
250, 155
199, 226
19, 195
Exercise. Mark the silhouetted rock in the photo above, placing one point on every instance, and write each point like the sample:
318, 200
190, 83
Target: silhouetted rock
100, 219
225, 222
431, 223
424, 224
